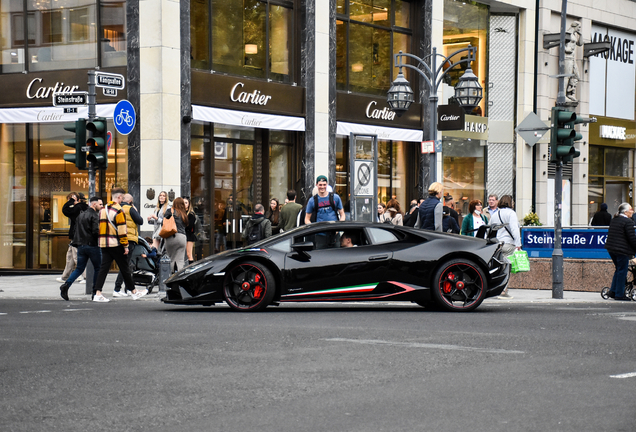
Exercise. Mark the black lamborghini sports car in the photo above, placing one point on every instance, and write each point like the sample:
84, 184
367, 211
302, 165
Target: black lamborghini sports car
347, 261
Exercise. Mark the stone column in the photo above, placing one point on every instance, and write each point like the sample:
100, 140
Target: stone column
160, 96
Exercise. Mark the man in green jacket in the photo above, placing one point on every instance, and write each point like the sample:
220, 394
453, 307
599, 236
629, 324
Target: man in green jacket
289, 212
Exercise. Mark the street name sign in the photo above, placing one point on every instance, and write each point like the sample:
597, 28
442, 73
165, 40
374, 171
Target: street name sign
71, 99
109, 80
109, 91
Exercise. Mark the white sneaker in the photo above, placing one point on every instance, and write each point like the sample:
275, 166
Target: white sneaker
120, 294
60, 280
100, 298
138, 294
83, 281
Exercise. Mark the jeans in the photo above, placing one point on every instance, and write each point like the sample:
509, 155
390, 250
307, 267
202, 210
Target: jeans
120, 277
620, 275
85, 253
110, 254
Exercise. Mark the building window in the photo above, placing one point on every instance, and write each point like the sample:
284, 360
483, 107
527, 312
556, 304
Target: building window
611, 178
368, 34
60, 36
466, 23
251, 38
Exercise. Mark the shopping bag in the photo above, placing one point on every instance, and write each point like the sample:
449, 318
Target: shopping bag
519, 262
168, 228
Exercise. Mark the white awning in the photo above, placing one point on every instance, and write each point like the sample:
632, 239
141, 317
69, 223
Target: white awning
383, 132
247, 119
51, 114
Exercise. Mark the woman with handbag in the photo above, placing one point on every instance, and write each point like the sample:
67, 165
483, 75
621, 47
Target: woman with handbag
156, 218
173, 231
509, 235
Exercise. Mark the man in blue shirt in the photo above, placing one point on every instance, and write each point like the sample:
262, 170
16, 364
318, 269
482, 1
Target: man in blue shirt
329, 204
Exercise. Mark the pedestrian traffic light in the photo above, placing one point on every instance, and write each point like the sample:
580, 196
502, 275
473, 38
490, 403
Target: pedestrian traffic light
563, 136
96, 141
77, 157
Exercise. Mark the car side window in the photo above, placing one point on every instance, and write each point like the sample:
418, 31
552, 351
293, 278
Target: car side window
282, 246
381, 236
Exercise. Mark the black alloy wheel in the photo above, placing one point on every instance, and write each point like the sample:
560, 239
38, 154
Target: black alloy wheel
249, 286
459, 286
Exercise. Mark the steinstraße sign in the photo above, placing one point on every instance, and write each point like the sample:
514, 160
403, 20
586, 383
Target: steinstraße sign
450, 117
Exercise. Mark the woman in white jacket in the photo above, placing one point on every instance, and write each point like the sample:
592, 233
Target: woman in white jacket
510, 234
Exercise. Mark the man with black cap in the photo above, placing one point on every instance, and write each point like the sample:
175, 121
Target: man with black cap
601, 217
75, 204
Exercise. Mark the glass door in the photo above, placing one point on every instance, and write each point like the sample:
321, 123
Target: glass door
233, 192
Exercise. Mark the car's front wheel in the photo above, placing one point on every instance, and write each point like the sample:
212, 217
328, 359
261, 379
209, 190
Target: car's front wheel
459, 285
249, 286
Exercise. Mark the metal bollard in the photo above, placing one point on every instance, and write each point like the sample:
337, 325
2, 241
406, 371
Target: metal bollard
164, 272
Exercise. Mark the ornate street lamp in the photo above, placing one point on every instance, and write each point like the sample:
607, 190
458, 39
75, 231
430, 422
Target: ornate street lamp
468, 92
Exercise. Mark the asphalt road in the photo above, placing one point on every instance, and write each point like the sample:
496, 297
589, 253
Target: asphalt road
145, 366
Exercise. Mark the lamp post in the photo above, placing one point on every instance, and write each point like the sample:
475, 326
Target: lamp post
468, 92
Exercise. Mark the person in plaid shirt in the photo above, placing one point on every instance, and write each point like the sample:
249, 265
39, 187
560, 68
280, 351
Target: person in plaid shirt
113, 242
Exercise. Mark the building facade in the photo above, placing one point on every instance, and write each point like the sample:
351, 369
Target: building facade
238, 101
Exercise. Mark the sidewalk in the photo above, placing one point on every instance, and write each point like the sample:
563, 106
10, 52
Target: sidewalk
46, 287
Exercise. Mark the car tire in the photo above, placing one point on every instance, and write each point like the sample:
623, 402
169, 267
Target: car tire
459, 285
249, 287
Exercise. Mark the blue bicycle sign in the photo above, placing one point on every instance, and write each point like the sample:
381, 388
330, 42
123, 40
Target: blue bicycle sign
124, 117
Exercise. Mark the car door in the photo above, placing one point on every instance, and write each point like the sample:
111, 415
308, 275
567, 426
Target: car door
335, 273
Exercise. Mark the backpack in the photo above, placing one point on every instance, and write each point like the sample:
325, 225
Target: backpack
332, 203
255, 232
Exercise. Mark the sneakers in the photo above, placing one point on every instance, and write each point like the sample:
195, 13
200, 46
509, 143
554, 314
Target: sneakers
64, 291
83, 281
138, 294
120, 294
100, 298
60, 280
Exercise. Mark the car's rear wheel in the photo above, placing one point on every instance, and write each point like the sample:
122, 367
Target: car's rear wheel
249, 286
459, 285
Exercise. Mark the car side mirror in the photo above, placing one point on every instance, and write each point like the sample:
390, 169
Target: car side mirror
303, 246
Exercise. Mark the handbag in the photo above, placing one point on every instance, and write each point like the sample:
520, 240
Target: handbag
519, 262
168, 228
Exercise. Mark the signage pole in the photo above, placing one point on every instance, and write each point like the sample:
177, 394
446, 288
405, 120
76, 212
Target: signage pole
557, 254
91, 172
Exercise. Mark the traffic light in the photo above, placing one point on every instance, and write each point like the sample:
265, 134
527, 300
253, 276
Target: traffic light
96, 141
78, 157
563, 136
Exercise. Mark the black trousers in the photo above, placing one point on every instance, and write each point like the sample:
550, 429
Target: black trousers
108, 256
120, 277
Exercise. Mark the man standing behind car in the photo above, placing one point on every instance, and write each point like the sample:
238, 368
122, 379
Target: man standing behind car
75, 204
133, 220
324, 206
289, 213
86, 235
258, 227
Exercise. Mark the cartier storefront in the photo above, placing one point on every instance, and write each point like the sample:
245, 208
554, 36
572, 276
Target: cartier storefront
34, 178
246, 144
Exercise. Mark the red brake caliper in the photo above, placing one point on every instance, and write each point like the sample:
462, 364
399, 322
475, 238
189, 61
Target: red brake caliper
447, 286
258, 290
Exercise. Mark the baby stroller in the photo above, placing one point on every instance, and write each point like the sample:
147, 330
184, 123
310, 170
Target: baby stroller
145, 270
630, 291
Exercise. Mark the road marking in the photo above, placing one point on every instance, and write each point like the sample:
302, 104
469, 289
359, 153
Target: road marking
424, 345
75, 310
625, 375
2, 313
40, 311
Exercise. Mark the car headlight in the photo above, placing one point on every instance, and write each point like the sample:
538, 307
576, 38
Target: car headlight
195, 267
